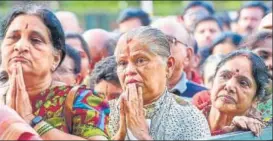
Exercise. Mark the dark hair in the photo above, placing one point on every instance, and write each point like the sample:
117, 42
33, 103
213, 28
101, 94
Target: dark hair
84, 45
224, 19
252, 41
204, 4
195, 47
56, 32
235, 39
258, 4
105, 69
134, 13
259, 70
208, 18
75, 56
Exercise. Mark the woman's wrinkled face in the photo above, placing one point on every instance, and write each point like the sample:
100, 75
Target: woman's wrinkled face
27, 40
137, 64
234, 87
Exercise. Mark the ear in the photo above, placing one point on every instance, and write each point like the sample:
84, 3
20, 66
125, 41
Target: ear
196, 60
189, 56
180, 19
56, 60
170, 66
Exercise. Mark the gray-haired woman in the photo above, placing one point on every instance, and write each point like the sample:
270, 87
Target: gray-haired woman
146, 110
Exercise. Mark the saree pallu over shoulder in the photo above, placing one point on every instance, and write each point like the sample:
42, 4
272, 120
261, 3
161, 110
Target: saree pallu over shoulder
90, 111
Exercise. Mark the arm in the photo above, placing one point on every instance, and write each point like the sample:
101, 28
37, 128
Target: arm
56, 134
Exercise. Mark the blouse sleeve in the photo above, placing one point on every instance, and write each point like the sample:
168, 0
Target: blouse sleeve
91, 115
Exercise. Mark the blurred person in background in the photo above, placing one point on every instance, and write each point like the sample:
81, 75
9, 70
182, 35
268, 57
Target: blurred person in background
132, 18
238, 84
104, 78
250, 16
76, 41
181, 45
225, 19
193, 11
96, 40
69, 70
192, 69
266, 22
208, 69
225, 43
69, 21
261, 44
206, 30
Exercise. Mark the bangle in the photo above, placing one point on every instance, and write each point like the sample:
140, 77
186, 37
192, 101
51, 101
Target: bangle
45, 127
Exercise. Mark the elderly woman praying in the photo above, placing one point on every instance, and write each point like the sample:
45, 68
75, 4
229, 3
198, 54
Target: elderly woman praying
146, 110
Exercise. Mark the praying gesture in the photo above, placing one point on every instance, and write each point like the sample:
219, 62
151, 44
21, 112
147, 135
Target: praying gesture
131, 105
17, 96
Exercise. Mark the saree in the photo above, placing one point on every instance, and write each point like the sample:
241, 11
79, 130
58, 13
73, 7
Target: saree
90, 111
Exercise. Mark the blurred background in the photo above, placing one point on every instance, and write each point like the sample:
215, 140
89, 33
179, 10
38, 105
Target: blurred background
103, 14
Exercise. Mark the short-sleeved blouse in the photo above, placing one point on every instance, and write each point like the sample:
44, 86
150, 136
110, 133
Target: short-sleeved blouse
91, 112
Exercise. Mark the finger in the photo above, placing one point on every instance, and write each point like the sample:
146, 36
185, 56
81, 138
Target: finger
140, 99
251, 126
125, 103
132, 93
12, 90
241, 123
122, 113
20, 77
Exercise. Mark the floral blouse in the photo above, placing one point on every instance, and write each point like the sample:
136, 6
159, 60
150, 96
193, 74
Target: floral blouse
171, 118
91, 112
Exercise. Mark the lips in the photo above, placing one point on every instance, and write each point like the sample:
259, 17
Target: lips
227, 99
131, 81
19, 59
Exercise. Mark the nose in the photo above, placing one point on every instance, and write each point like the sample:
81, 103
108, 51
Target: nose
22, 46
230, 86
130, 70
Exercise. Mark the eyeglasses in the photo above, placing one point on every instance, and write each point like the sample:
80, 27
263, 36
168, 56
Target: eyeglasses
173, 40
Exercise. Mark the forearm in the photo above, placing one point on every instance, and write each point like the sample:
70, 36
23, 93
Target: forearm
55, 134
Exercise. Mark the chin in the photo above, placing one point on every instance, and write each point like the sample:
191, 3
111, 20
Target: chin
224, 107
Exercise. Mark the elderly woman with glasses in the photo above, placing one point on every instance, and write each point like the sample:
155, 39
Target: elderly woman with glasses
146, 110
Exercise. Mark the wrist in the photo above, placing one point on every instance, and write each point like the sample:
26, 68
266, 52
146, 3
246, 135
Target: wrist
29, 118
145, 136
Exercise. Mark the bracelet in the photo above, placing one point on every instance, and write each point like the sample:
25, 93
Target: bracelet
45, 127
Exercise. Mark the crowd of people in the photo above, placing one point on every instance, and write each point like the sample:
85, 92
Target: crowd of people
184, 77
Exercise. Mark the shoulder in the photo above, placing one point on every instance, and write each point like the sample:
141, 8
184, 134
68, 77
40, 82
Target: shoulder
185, 109
190, 122
87, 99
195, 86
